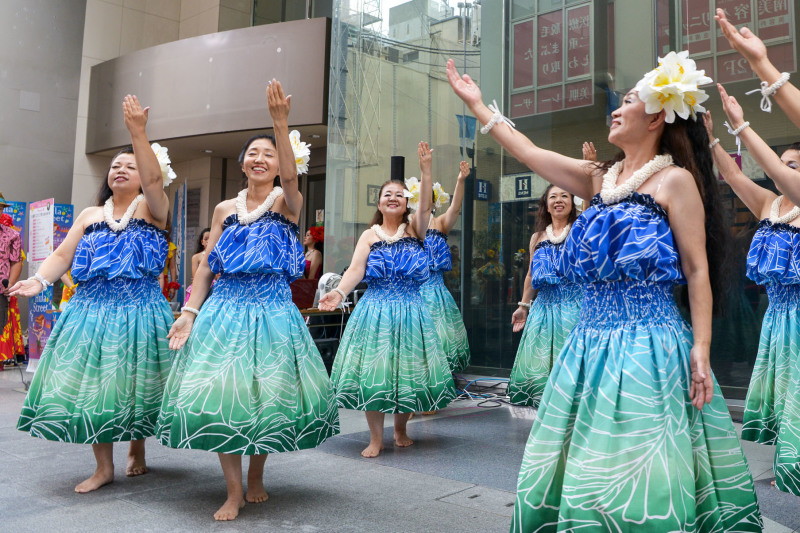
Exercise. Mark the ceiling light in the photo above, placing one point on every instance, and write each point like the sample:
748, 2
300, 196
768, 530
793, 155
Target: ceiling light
207, 151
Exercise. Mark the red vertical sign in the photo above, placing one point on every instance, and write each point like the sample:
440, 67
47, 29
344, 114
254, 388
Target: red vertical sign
523, 54
579, 44
773, 19
696, 23
739, 12
550, 68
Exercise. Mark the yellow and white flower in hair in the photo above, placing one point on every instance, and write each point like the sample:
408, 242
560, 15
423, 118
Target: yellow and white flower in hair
440, 197
413, 185
302, 152
167, 174
674, 87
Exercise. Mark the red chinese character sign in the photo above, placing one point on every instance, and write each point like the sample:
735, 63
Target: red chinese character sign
522, 72
774, 19
696, 23
549, 28
579, 43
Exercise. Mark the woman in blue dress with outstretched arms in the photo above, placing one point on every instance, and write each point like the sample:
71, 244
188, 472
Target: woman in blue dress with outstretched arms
632, 431
550, 303
102, 374
248, 379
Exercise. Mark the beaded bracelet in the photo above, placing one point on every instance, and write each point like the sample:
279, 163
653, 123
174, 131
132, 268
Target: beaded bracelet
192, 310
735, 133
524, 304
768, 90
497, 116
713, 143
341, 292
38, 277
740, 129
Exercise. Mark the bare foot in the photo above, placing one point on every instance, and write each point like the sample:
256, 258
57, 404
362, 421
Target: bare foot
772, 482
99, 478
136, 466
229, 509
256, 493
373, 450
402, 440
428, 413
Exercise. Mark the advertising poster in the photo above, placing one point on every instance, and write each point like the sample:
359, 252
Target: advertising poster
40, 246
62, 222
17, 211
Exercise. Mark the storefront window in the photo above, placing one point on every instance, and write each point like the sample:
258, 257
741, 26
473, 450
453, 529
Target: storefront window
557, 68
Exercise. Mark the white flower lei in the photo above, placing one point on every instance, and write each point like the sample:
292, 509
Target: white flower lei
775, 210
246, 218
612, 194
551, 236
108, 213
386, 238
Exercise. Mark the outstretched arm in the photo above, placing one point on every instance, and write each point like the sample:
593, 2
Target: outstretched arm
353, 276
146, 160
279, 106
783, 176
423, 215
572, 175
755, 197
753, 49
520, 316
448, 219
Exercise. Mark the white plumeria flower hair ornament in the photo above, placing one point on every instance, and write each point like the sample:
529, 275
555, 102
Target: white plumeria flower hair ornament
167, 174
440, 196
412, 193
302, 152
674, 87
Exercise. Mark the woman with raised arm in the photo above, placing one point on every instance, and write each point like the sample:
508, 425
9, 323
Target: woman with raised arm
390, 359
772, 411
102, 374
442, 306
632, 431
550, 303
773, 83
249, 380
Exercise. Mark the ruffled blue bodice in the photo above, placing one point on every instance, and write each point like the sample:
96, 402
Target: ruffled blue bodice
267, 246
439, 257
627, 241
774, 256
138, 251
544, 264
401, 263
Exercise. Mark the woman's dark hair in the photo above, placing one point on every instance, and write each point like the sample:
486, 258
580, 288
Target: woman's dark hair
105, 191
794, 146
543, 217
377, 218
200, 240
319, 246
246, 147
686, 140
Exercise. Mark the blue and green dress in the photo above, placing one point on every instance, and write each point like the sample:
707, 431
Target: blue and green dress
250, 380
442, 306
772, 411
616, 444
390, 358
553, 314
102, 373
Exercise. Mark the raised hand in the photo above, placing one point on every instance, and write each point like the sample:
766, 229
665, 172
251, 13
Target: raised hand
743, 41
702, 388
709, 124
277, 103
463, 170
589, 153
135, 116
731, 107
330, 301
463, 86
180, 330
518, 319
425, 153
26, 288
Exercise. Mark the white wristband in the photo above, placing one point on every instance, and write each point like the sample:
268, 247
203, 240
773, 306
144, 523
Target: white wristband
192, 310
523, 304
768, 90
735, 133
740, 129
496, 117
341, 292
38, 277
713, 143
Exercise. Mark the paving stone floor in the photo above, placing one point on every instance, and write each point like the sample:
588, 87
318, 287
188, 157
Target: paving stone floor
460, 475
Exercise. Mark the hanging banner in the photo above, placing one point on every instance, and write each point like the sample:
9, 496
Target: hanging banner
178, 237
62, 222
17, 210
40, 241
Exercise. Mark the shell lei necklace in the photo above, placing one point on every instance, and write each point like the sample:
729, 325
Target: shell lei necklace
386, 238
108, 213
776, 209
551, 236
246, 218
611, 193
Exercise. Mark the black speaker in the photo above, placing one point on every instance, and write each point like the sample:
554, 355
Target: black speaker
398, 167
